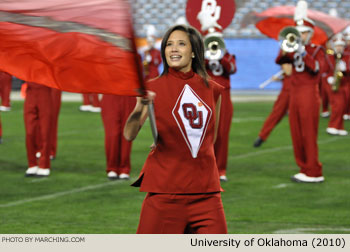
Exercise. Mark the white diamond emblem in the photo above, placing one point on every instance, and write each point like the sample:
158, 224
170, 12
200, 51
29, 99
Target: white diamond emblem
192, 115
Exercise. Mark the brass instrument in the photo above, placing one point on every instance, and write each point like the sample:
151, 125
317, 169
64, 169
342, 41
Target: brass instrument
338, 75
290, 39
214, 48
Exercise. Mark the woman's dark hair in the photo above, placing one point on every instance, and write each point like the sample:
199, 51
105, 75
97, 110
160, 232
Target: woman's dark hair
197, 44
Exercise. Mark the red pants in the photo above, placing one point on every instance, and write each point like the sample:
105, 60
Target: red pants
56, 101
182, 213
279, 110
303, 119
222, 140
338, 105
115, 112
5, 88
91, 99
38, 113
325, 94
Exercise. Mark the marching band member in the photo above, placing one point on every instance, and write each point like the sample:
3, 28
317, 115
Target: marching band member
325, 89
308, 62
5, 90
339, 97
152, 58
219, 69
280, 107
115, 110
347, 51
38, 115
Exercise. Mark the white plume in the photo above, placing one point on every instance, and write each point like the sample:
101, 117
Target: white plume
300, 10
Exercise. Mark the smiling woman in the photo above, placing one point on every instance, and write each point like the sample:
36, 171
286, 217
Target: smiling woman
178, 51
180, 173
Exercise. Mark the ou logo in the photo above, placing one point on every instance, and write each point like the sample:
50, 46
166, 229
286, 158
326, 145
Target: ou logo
194, 116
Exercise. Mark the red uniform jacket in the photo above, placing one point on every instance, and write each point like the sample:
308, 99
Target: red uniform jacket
306, 70
220, 70
183, 160
151, 68
331, 60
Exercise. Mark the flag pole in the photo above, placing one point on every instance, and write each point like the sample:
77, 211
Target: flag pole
152, 119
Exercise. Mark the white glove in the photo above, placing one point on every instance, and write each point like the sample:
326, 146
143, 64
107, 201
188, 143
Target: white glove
301, 50
330, 80
148, 58
341, 66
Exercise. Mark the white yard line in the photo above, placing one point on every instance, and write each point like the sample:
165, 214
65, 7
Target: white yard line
310, 230
59, 194
248, 119
288, 147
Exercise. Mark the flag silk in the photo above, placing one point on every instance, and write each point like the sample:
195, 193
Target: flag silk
271, 21
73, 45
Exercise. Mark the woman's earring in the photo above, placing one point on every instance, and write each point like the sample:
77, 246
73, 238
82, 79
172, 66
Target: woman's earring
193, 56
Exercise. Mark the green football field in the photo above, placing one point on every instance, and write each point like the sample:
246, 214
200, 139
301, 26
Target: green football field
259, 196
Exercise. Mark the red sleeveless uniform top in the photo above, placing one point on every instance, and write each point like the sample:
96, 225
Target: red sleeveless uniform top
183, 161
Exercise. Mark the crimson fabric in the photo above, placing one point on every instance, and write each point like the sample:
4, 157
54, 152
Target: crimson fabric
223, 135
271, 21
5, 88
221, 74
325, 94
347, 111
222, 69
340, 98
91, 99
304, 109
115, 110
38, 114
279, 110
56, 102
170, 167
71, 61
151, 68
184, 213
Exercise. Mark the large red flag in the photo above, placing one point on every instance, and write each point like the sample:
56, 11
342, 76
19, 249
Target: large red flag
73, 45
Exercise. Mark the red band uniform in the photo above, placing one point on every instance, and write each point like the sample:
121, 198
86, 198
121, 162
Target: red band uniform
185, 121
279, 110
115, 110
5, 90
38, 115
338, 98
152, 60
220, 71
304, 106
347, 52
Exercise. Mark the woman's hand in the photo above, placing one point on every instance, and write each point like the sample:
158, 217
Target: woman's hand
147, 98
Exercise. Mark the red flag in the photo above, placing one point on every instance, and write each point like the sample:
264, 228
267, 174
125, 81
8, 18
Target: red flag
73, 45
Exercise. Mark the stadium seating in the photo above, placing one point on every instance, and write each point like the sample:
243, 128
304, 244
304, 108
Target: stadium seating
164, 13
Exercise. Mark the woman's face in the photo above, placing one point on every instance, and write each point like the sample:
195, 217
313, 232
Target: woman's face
178, 51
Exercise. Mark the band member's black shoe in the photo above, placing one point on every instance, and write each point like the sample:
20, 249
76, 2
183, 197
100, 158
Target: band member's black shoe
258, 142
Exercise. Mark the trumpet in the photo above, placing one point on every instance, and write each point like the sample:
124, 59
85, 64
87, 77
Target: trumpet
290, 39
214, 48
338, 75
